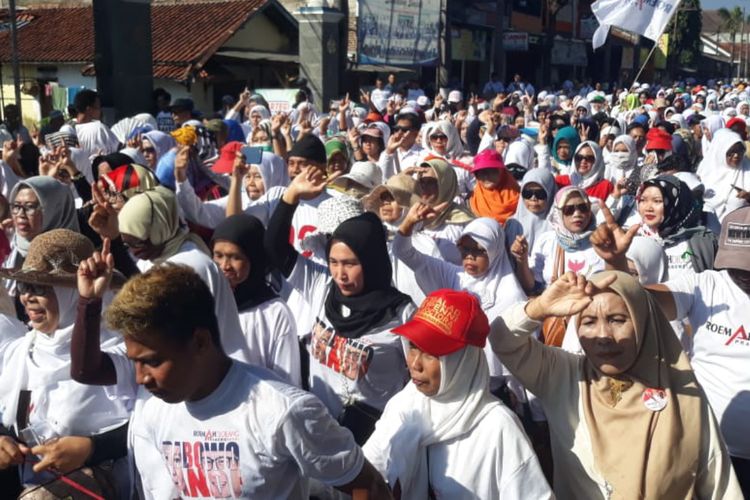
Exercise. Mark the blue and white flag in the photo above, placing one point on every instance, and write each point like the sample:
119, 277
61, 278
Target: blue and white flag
645, 17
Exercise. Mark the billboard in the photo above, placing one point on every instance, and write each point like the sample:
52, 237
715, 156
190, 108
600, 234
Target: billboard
398, 32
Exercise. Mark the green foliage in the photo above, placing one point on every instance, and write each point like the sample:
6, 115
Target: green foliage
684, 34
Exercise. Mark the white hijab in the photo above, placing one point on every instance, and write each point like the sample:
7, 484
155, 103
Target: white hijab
718, 177
649, 259
412, 421
621, 165
597, 171
40, 363
534, 224
454, 149
713, 124
96, 138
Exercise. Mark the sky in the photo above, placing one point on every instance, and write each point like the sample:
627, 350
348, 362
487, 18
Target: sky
715, 4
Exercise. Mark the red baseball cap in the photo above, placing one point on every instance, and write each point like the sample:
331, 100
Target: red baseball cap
446, 322
743, 126
489, 158
658, 139
225, 163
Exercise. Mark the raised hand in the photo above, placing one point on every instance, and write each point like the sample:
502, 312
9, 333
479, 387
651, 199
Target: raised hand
277, 121
364, 96
520, 249
394, 142
103, 219
10, 151
419, 212
95, 273
240, 168
344, 105
570, 294
611, 242
308, 184
181, 162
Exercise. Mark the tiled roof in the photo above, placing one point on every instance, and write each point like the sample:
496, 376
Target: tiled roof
183, 36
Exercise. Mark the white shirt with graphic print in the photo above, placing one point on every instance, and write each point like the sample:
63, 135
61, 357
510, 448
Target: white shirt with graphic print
719, 312
253, 437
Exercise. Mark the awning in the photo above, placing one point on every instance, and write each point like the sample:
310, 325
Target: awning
252, 55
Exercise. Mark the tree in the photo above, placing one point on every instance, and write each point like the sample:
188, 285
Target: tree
684, 36
732, 21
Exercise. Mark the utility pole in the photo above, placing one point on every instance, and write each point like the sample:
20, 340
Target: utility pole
498, 63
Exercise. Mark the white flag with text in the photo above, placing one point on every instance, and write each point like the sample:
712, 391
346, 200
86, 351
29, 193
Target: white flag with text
645, 17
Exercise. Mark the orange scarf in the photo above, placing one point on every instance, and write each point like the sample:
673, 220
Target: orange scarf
499, 204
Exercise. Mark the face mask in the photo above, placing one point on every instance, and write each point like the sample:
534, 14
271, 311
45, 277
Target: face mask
619, 160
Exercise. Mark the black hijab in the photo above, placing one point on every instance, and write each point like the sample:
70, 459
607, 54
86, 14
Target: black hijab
379, 301
247, 232
682, 212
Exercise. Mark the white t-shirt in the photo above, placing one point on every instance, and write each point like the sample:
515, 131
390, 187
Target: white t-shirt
718, 312
272, 334
492, 461
253, 437
369, 369
679, 260
542, 259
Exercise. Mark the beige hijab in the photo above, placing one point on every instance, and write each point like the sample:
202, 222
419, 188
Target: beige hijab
639, 452
154, 216
447, 192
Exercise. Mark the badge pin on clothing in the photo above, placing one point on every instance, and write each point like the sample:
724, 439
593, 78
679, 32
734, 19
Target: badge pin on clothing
655, 399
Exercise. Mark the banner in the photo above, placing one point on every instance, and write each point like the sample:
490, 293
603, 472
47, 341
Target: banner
662, 52
645, 17
279, 100
398, 32
514, 41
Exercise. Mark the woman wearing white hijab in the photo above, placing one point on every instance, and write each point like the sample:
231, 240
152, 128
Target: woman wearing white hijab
442, 139
485, 271
537, 195
62, 413
725, 173
588, 173
444, 435
623, 159
710, 126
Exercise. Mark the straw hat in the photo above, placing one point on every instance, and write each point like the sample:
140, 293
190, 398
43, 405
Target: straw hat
53, 260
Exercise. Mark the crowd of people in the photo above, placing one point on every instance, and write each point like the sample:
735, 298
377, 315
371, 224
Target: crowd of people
512, 295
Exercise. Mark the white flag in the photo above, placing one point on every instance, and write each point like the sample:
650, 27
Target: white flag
645, 17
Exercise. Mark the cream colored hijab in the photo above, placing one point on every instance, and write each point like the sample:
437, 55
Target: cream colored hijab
639, 452
447, 192
154, 216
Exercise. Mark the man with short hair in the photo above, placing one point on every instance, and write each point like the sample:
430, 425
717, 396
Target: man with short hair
403, 150
94, 136
182, 111
213, 427
13, 124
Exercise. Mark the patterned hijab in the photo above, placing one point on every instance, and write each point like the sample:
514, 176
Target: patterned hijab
682, 212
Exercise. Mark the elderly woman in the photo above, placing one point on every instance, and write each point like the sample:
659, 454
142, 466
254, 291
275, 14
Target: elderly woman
632, 398
444, 435
50, 420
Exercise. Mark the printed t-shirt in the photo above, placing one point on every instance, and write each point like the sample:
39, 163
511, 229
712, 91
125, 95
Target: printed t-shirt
718, 311
253, 437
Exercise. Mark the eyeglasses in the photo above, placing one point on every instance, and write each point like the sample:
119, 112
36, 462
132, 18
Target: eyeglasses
438, 137
28, 209
474, 252
530, 194
386, 197
588, 158
135, 244
32, 289
148, 150
569, 210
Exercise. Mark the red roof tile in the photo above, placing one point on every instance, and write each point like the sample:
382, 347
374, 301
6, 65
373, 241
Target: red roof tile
183, 36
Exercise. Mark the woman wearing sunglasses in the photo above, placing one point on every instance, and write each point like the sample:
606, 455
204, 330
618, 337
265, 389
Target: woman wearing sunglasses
564, 248
530, 219
588, 173
442, 139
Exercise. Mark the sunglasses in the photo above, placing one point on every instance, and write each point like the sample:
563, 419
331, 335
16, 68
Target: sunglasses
471, 251
31, 289
148, 150
588, 158
569, 210
530, 194
402, 129
438, 137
